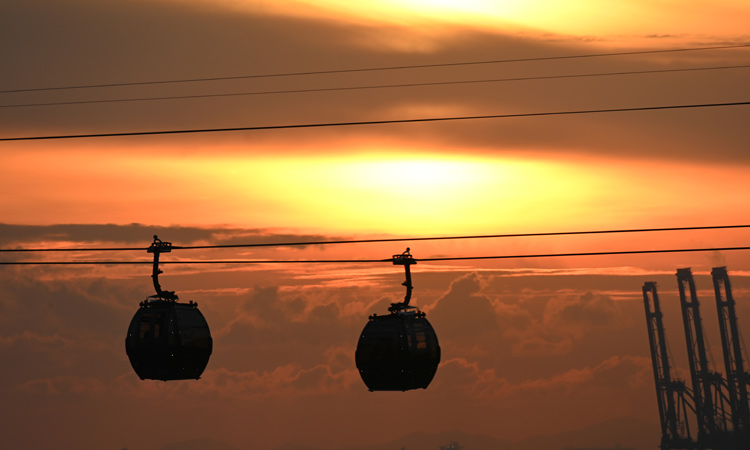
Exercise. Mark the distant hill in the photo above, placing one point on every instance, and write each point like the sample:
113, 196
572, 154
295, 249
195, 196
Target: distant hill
432, 441
624, 433
200, 444
627, 433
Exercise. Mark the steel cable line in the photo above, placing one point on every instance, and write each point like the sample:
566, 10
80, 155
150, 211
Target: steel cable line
369, 241
374, 69
358, 261
370, 122
368, 87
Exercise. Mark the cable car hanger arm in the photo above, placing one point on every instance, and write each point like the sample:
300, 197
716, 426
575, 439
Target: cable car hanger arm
404, 259
157, 247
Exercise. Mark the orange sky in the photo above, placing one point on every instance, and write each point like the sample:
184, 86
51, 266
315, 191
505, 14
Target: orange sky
369, 190
531, 347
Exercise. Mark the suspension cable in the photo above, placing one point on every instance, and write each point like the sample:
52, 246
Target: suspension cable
364, 87
373, 122
358, 261
374, 69
369, 241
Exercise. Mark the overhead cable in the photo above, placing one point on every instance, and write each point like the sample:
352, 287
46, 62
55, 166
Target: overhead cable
368, 87
374, 69
369, 241
357, 261
370, 122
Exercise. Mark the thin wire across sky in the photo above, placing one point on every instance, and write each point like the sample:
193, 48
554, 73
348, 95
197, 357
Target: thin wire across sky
371, 87
371, 241
379, 69
363, 261
738, 102
375, 122
352, 261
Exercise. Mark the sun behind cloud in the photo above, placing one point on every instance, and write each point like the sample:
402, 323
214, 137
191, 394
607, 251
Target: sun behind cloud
609, 21
415, 193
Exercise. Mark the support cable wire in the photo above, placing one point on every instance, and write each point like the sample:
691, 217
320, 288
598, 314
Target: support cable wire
343, 261
380, 86
370, 241
373, 122
374, 69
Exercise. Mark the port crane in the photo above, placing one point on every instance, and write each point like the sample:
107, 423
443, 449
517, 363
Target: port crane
673, 396
737, 379
709, 394
720, 406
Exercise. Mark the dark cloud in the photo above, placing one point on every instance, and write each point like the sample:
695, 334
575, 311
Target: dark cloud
587, 310
463, 312
88, 43
16, 235
467, 317
271, 330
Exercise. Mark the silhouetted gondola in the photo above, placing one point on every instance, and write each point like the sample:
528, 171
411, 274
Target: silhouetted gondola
398, 351
167, 340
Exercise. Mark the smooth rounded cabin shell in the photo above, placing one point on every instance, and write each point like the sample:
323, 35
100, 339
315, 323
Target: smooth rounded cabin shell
397, 352
168, 341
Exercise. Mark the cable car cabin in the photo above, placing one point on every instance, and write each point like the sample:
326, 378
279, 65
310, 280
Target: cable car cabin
168, 341
397, 352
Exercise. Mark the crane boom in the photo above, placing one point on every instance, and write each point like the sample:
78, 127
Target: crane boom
670, 394
710, 408
736, 376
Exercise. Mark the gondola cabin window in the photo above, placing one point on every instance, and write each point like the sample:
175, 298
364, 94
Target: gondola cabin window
145, 325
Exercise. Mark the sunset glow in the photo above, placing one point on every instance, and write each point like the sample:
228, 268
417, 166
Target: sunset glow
382, 193
572, 17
